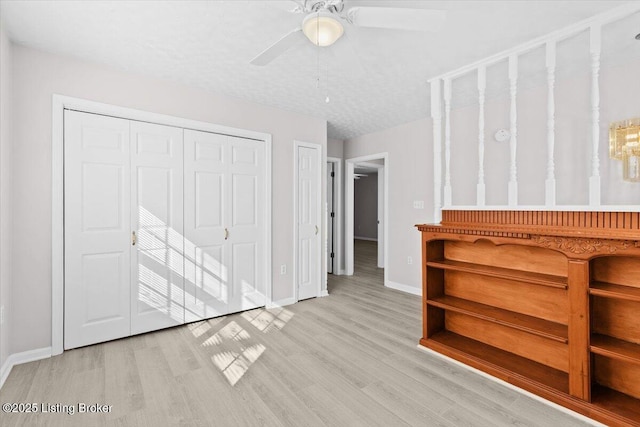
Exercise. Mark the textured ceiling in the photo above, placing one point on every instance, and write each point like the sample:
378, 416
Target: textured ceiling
375, 78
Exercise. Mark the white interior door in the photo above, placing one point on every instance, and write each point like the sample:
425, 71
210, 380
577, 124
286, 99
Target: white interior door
207, 273
246, 189
308, 222
330, 216
97, 229
157, 264
381, 218
224, 224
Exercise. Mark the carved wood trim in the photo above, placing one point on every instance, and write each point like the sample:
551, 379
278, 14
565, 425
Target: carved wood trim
579, 235
523, 224
581, 246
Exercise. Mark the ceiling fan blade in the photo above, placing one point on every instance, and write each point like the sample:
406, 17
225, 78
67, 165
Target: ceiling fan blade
279, 47
292, 6
397, 18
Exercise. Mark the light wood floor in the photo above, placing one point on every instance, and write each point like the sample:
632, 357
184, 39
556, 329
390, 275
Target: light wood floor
349, 359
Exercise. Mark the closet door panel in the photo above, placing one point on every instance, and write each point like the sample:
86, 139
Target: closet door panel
246, 199
157, 270
97, 240
207, 285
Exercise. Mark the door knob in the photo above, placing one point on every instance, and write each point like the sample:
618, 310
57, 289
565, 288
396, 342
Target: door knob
226, 234
316, 230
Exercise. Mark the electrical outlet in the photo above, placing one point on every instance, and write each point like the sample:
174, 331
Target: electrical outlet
2, 315
409, 260
418, 204
283, 269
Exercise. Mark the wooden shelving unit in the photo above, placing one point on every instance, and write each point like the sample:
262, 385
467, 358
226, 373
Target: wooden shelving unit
556, 314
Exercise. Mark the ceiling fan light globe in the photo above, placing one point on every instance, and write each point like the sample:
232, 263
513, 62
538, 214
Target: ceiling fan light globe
322, 29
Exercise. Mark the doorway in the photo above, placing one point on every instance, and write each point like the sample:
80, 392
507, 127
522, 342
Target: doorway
356, 167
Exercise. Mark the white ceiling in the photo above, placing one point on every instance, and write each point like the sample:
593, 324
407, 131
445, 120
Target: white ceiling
375, 78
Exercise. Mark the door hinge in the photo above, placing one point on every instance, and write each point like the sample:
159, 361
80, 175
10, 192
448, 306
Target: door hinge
333, 174
332, 254
333, 214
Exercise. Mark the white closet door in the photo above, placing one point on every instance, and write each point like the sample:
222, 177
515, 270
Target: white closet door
207, 269
97, 229
246, 207
308, 214
157, 264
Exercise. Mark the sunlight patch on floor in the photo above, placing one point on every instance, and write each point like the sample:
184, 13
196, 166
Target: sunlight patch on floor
268, 320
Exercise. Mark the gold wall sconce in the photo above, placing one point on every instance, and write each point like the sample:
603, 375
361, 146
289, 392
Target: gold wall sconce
624, 144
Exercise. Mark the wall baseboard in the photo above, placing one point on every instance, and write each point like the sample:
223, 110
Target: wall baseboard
20, 358
370, 239
324, 293
404, 288
281, 303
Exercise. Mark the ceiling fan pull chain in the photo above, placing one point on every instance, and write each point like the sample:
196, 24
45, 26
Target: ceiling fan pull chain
327, 98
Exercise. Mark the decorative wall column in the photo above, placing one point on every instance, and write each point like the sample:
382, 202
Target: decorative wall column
482, 86
447, 142
436, 116
594, 181
550, 183
513, 129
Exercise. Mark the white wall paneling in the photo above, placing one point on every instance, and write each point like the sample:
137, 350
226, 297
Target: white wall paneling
157, 144
549, 41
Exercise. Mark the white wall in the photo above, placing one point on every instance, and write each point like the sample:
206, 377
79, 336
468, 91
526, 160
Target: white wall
335, 148
409, 169
365, 206
37, 76
620, 92
5, 192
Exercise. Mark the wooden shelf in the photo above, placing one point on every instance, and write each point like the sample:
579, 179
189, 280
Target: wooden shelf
620, 407
502, 273
523, 322
609, 290
507, 366
614, 348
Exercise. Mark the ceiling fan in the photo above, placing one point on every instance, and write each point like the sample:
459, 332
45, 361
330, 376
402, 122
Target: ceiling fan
324, 20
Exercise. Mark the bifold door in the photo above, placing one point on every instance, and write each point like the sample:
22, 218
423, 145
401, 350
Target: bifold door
163, 226
157, 257
97, 229
224, 198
